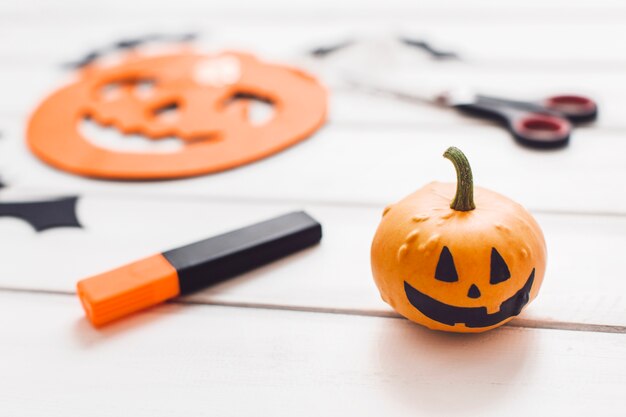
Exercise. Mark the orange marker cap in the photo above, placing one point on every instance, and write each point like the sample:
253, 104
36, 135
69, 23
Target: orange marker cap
130, 288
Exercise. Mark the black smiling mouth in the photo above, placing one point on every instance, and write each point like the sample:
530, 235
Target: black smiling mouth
470, 316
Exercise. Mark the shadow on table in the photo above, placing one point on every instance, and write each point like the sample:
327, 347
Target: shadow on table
88, 336
445, 373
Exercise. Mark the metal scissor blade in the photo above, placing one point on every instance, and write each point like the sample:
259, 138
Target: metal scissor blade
397, 89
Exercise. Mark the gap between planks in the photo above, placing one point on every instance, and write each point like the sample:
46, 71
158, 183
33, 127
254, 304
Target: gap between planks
221, 199
517, 322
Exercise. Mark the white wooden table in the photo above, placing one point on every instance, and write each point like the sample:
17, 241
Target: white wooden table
309, 335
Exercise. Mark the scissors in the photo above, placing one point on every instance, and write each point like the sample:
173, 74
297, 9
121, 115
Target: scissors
545, 123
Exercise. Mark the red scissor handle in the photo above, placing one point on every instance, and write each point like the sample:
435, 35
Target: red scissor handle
576, 108
541, 130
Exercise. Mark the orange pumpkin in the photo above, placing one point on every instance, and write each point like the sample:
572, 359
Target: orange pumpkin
466, 266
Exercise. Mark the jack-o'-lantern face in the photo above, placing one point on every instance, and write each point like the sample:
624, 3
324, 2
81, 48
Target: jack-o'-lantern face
475, 302
201, 100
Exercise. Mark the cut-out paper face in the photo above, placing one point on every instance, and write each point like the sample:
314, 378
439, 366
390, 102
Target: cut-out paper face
202, 100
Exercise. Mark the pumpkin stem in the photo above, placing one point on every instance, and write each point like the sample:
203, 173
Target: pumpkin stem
464, 197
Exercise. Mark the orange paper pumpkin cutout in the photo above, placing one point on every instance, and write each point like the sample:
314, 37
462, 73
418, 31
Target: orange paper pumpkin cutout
209, 94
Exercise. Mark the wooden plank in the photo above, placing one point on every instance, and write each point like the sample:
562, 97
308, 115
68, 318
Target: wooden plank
570, 45
25, 87
230, 361
378, 165
583, 283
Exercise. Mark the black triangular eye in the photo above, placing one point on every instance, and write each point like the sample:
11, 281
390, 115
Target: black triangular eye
445, 267
499, 269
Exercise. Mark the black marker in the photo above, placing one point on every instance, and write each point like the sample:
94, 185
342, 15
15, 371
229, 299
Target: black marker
150, 281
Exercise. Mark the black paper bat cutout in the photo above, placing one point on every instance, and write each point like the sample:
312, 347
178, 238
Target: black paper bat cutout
323, 51
326, 50
45, 214
426, 47
129, 43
